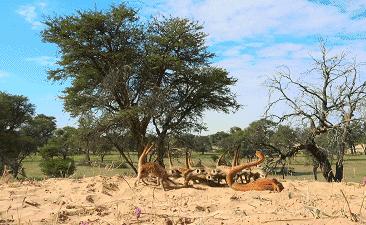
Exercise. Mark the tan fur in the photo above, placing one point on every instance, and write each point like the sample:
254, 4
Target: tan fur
257, 173
146, 169
220, 172
178, 172
258, 185
252, 174
6, 176
196, 174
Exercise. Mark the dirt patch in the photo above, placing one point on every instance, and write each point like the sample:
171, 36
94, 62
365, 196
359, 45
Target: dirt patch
110, 200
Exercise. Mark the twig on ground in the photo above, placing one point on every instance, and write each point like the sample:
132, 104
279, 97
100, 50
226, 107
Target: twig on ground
127, 183
363, 199
354, 217
316, 212
35, 204
167, 216
286, 220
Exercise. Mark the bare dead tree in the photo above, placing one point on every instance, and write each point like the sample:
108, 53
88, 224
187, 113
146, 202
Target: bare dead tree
326, 97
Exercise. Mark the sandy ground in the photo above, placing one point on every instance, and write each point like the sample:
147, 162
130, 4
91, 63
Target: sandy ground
110, 200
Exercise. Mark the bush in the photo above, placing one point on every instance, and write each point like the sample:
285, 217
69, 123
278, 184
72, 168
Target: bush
58, 167
214, 158
123, 165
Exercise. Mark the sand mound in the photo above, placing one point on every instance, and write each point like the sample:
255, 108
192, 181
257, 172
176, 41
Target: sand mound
110, 200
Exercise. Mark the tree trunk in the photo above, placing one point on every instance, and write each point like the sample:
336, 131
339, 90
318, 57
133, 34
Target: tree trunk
353, 149
315, 169
339, 165
122, 153
160, 147
322, 158
138, 134
87, 156
283, 170
15, 168
339, 171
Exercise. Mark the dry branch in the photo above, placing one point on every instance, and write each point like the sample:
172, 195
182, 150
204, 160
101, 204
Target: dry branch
353, 216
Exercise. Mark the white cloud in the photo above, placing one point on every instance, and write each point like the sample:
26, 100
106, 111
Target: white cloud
4, 74
254, 38
30, 13
236, 62
43, 60
288, 50
43, 5
238, 19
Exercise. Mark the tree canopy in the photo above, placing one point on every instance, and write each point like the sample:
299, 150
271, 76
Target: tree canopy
157, 73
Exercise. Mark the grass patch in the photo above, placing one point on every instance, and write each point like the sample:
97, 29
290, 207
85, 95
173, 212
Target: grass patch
354, 166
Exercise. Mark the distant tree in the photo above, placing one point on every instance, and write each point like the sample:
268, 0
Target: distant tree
183, 140
87, 135
56, 161
326, 99
103, 147
202, 144
358, 135
248, 139
61, 144
218, 137
265, 135
231, 141
21, 132
40, 128
257, 133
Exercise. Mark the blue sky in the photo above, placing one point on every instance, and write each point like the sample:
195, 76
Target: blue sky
250, 38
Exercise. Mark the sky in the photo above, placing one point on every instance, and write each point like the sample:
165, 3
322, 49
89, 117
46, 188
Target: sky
251, 40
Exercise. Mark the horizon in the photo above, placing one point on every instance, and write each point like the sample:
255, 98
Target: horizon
250, 40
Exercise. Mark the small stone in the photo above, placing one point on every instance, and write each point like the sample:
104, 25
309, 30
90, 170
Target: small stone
200, 208
90, 198
168, 221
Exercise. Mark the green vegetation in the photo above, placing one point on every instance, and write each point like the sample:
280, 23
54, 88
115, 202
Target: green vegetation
58, 167
354, 167
22, 132
132, 74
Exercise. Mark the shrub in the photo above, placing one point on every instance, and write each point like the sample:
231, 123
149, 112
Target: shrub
123, 165
58, 167
214, 157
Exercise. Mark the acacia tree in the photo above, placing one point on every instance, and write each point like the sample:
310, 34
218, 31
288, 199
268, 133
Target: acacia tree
135, 72
325, 98
102, 55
